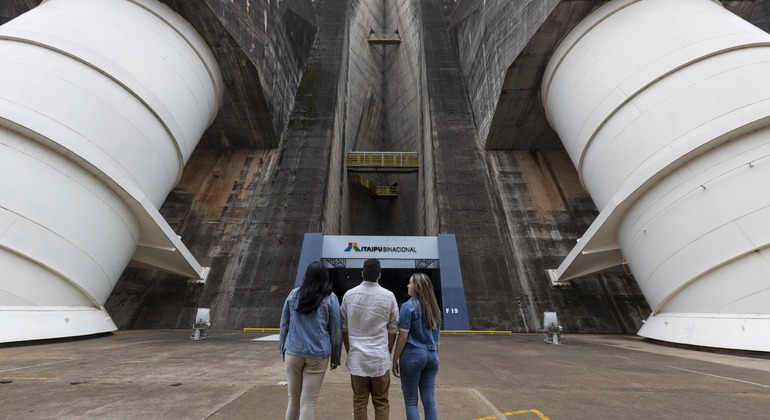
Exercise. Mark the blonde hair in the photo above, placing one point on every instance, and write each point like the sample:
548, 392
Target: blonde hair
423, 292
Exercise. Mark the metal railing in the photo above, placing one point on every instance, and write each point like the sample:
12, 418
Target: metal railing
395, 160
384, 38
379, 191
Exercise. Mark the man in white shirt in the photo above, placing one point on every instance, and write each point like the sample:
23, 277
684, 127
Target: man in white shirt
369, 327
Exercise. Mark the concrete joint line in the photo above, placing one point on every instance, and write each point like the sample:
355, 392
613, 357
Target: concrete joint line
216, 410
720, 377
484, 400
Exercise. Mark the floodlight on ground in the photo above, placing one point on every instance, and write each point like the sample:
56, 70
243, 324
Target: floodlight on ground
202, 324
552, 328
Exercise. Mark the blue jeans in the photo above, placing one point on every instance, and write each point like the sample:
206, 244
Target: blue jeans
419, 368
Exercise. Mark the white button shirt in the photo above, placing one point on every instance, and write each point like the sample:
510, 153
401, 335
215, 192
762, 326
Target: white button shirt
369, 314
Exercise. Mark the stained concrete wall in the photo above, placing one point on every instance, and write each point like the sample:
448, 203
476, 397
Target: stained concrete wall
490, 35
244, 206
514, 213
546, 210
382, 113
467, 203
244, 211
272, 166
276, 38
502, 49
7, 12
335, 219
760, 15
406, 120
364, 108
518, 121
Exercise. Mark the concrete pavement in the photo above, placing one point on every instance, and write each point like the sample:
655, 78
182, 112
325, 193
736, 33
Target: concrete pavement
163, 374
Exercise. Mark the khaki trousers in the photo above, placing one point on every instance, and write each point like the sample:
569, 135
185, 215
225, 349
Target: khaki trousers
304, 377
377, 387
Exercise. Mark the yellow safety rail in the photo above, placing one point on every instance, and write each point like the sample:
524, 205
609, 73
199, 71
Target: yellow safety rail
384, 160
373, 189
454, 332
476, 332
380, 38
261, 330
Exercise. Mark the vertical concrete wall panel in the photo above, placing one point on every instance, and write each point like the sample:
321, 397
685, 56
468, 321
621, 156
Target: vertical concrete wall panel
364, 107
276, 37
383, 111
337, 218
490, 35
364, 102
404, 94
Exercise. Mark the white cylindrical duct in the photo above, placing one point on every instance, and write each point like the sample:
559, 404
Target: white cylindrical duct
101, 104
664, 107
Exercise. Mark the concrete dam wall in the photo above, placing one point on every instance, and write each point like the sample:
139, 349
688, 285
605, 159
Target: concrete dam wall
244, 204
303, 87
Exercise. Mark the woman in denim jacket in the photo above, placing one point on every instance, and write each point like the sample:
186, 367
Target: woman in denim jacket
415, 360
311, 334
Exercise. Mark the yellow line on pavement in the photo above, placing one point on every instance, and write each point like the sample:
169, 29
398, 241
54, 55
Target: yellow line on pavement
540, 415
536, 412
46, 378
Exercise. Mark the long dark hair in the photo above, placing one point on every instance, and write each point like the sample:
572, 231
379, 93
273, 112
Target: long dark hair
423, 292
315, 287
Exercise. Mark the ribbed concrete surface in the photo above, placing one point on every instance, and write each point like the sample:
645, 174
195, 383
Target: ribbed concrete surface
163, 374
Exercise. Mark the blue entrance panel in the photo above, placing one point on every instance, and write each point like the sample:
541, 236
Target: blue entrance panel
312, 245
397, 252
453, 295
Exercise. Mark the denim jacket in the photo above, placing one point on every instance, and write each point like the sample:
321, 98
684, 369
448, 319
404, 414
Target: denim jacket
316, 335
411, 320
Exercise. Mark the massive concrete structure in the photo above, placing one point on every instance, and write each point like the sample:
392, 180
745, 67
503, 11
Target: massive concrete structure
303, 86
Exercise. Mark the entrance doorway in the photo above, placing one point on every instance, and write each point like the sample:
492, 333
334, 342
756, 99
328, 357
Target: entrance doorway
400, 257
394, 279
